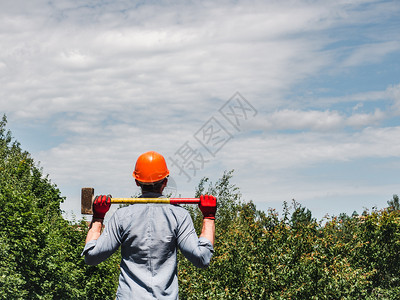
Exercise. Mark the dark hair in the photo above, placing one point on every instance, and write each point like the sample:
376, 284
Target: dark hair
154, 187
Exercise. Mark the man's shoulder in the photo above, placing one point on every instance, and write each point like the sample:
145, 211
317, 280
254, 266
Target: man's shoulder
138, 208
178, 208
127, 210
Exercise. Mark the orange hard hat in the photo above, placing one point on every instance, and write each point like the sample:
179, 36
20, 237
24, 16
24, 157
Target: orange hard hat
150, 167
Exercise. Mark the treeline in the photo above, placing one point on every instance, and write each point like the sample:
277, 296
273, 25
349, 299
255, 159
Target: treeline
258, 255
261, 255
39, 250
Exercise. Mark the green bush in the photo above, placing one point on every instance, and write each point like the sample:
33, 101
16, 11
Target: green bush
261, 255
39, 250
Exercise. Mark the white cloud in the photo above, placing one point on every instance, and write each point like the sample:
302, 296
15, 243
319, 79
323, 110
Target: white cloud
371, 53
75, 60
394, 94
361, 120
291, 151
316, 120
299, 120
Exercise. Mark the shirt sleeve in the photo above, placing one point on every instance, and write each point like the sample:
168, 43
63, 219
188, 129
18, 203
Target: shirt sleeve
96, 251
197, 250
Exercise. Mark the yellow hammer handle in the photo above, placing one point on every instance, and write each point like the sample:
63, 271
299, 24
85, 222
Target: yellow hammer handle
139, 200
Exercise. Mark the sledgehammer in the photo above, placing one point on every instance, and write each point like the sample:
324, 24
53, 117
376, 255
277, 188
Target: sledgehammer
87, 198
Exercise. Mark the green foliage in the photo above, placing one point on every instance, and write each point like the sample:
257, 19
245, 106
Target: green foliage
394, 203
39, 250
261, 255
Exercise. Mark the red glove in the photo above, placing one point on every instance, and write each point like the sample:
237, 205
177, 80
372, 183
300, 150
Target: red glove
208, 206
101, 205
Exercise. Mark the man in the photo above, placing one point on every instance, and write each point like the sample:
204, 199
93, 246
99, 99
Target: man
149, 236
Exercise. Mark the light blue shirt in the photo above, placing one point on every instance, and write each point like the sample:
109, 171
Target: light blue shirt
149, 235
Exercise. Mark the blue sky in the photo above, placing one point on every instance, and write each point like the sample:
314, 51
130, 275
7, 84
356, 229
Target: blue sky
300, 98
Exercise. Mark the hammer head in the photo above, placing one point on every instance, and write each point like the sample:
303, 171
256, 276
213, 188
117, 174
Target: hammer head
87, 196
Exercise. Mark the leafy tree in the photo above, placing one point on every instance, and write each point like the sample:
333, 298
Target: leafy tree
300, 216
394, 203
39, 250
261, 255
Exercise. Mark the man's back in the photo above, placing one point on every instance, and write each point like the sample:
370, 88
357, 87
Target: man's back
149, 235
